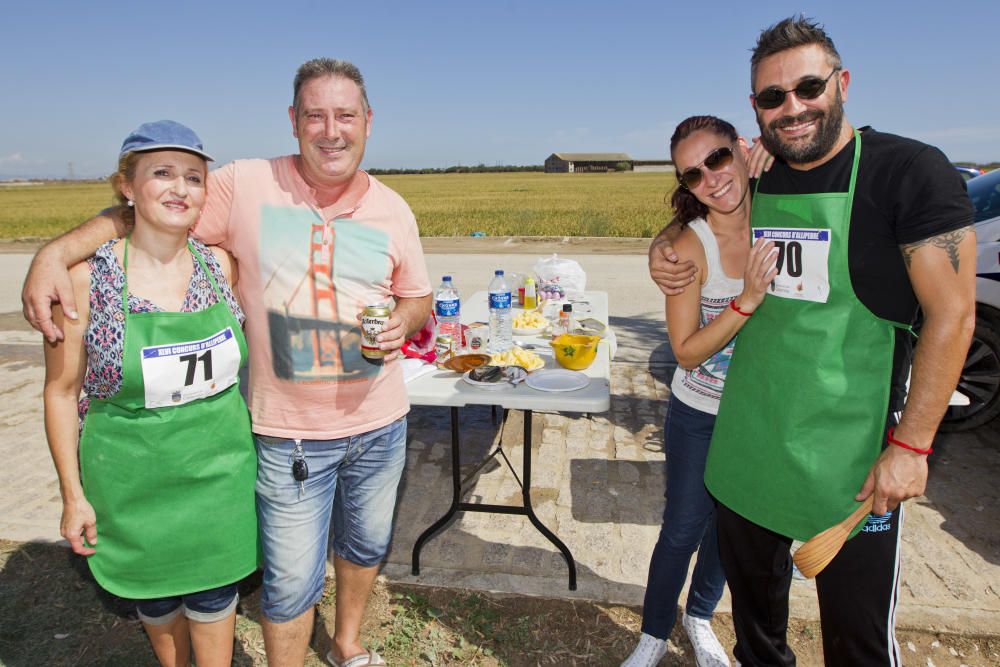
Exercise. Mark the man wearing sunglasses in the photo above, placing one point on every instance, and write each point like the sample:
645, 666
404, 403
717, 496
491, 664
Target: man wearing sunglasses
815, 416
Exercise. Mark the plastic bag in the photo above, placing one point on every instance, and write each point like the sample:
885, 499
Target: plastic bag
421, 344
561, 275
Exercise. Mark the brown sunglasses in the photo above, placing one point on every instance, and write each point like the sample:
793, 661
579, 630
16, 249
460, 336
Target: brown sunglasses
715, 161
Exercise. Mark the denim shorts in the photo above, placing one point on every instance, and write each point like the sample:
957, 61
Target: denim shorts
352, 481
208, 606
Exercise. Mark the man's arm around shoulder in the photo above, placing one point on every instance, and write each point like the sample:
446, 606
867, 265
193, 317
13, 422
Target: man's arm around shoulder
48, 278
669, 274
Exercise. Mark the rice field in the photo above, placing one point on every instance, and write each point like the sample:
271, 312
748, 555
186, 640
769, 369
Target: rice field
507, 204
43, 211
537, 204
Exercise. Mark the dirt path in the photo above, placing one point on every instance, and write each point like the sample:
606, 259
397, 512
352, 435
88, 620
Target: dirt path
52, 613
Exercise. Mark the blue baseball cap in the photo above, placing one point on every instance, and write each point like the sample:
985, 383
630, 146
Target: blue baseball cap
163, 135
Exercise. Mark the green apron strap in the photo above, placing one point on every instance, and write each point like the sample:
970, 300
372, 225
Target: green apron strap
125, 278
204, 267
854, 165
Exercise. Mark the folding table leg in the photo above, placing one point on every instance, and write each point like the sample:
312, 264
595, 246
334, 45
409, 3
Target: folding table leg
529, 510
456, 495
457, 505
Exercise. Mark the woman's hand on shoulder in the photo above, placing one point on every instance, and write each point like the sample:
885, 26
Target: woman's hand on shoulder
759, 159
79, 521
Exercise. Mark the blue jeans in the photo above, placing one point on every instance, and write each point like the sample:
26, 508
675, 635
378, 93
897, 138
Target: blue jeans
208, 606
354, 479
688, 524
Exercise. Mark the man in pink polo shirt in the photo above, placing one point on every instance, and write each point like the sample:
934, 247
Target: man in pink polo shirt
317, 240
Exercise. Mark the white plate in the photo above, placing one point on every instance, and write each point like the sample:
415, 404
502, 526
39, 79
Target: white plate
529, 332
490, 386
557, 379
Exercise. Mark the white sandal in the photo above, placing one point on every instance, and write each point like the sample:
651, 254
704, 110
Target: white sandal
369, 659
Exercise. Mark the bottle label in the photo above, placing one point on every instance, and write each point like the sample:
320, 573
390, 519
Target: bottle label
500, 300
446, 307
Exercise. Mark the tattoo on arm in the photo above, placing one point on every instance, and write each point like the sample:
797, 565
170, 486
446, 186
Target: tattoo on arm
948, 242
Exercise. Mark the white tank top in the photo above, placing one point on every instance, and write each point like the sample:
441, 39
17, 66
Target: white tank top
701, 388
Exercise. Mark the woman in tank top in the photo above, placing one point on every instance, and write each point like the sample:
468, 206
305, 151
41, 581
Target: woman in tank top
712, 205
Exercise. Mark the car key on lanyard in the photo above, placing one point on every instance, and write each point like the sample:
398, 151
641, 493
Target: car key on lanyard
300, 471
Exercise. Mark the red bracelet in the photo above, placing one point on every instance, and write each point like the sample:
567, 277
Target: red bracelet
732, 304
899, 443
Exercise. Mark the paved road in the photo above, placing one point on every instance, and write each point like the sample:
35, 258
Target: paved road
12, 270
598, 482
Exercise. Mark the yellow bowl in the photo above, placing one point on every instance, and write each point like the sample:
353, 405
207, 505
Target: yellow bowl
575, 352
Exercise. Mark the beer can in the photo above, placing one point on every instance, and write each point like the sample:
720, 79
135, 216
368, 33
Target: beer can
443, 347
373, 320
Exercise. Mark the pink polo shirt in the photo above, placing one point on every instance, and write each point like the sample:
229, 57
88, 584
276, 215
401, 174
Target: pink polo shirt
304, 275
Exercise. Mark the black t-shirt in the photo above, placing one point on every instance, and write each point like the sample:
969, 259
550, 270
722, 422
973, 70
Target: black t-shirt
906, 191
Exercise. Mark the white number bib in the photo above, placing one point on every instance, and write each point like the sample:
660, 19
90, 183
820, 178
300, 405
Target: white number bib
802, 262
184, 372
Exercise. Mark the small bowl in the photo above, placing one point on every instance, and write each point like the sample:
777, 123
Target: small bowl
575, 352
466, 362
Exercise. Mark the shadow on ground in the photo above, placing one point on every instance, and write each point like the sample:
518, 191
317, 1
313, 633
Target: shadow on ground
512, 547
52, 612
642, 340
963, 487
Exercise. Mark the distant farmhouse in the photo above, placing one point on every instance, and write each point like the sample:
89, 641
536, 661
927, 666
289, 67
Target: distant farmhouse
577, 163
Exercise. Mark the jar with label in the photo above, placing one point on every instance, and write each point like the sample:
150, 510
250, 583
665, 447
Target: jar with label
565, 323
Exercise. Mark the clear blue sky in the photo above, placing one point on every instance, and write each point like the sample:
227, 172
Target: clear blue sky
504, 81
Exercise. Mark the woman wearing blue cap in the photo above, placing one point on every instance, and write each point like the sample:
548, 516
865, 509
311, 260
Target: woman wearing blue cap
158, 483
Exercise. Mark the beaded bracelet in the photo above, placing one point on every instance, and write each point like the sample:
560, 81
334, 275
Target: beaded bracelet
899, 443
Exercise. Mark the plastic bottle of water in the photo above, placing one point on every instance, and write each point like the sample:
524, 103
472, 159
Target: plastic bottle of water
447, 310
501, 320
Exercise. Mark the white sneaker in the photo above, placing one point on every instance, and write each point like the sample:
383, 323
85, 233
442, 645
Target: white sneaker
647, 653
708, 652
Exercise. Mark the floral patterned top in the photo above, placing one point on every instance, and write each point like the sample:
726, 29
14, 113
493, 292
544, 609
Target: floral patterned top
104, 339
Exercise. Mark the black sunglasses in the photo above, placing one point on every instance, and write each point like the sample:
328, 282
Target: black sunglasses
715, 161
808, 88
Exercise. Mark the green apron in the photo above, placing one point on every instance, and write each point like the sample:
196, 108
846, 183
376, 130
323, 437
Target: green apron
804, 409
169, 463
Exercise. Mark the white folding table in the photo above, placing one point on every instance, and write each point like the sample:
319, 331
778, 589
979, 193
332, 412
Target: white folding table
446, 388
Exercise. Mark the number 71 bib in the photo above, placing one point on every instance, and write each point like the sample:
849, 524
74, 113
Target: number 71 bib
183, 372
803, 272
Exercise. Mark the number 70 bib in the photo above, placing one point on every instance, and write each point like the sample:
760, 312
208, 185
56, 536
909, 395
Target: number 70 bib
802, 262
183, 372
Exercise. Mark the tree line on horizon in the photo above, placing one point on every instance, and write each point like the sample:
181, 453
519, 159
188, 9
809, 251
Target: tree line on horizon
455, 169
458, 169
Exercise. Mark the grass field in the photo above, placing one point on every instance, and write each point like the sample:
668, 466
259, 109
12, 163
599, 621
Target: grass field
515, 204
42, 211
